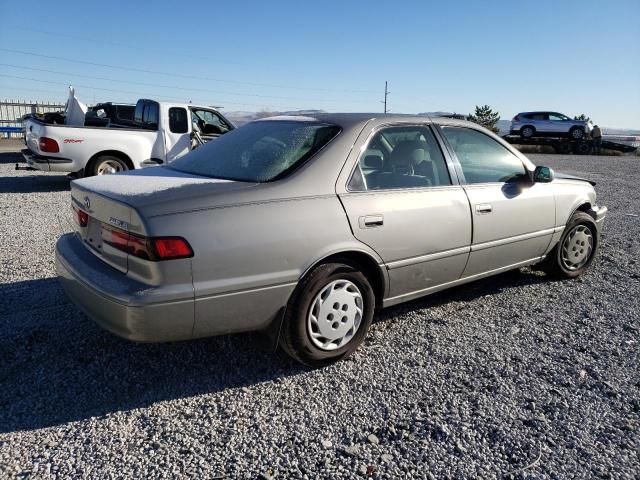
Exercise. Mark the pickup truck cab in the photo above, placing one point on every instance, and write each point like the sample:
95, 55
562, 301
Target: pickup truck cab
159, 133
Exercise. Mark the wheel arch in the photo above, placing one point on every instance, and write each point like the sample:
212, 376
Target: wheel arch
585, 207
115, 153
370, 267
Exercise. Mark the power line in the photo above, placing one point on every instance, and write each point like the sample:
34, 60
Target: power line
173, 87
128, 46
193, 77
140, 94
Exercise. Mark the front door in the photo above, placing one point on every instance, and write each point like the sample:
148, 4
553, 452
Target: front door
177, 138
402, 202
513, 218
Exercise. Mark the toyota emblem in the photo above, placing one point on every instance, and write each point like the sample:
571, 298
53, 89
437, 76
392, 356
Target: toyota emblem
87, 203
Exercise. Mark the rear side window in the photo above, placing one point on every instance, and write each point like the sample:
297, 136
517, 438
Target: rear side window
482, 159
401, 157
178, 120
147, 113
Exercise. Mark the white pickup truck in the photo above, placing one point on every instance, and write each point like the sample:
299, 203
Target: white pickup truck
159, 133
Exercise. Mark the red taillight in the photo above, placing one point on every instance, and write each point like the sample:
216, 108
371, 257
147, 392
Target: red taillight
81, 217
48, 145
174, 247
168, 248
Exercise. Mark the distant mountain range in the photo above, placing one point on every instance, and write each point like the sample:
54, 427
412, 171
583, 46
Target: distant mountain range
242, 117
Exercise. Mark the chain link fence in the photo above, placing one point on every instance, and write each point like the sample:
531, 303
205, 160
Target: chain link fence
12, 111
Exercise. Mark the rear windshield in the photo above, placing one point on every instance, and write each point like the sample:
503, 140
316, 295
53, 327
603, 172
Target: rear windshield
258, 152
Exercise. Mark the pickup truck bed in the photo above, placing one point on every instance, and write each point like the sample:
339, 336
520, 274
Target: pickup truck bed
159, 133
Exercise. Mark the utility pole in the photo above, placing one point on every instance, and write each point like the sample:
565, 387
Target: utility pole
386, 93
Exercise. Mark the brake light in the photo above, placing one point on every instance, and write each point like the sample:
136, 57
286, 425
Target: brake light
48, 145
174, 247
154, 249
81, 217
516, 119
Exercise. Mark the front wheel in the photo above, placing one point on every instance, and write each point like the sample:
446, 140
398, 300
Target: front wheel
328, 315
576, 249
576, 133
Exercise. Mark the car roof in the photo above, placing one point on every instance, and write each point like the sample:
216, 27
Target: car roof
187, 105
351, 120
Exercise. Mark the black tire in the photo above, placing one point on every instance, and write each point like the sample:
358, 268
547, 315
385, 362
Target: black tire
527, 131
100, 165
576, 133
562, 148
557, 266
582, 148
296, 339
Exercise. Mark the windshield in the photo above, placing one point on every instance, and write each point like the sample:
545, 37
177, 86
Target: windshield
259, 151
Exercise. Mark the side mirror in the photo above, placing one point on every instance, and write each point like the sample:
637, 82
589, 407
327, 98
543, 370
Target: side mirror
542, 175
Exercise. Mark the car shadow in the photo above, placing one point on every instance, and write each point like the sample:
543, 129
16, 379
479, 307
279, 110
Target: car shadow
34, 183
26, 182
59, 367
469, 292
10, 157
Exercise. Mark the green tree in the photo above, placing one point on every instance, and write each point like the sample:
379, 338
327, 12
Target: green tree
582, 116
486, 117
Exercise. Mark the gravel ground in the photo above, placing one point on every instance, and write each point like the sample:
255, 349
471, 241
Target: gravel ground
515, 376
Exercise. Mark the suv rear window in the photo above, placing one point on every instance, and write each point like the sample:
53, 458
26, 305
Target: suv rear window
258, 152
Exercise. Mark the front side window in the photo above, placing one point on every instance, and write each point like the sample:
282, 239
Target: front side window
208, 122
482, 159
258, 152
400, 157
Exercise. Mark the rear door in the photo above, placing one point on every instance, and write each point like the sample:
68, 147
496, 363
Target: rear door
513, 219
541, 122
403, 200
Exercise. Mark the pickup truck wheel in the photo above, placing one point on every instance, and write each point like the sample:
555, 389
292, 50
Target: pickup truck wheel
328, 315
577, 133
527, 132
576, 249
107, 164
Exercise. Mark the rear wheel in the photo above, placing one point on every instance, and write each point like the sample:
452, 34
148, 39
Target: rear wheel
577, 133
576, 249
582, 148
527, 132
328, 315
107, 164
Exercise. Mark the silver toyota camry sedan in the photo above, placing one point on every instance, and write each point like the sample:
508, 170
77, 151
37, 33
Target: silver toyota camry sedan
303, 226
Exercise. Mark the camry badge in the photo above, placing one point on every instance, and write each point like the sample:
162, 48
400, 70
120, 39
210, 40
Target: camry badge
87, 203
119, 223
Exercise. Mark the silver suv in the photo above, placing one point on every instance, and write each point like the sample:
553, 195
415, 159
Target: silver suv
549, 124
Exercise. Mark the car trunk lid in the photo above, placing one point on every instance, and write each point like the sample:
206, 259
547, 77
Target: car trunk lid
104, 212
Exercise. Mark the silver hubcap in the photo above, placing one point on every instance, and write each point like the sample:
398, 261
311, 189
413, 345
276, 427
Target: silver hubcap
577, 134
527, 132
109, 166
335, 315
577, 247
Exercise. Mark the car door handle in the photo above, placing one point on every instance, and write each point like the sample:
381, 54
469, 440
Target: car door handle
370, 221
484, 208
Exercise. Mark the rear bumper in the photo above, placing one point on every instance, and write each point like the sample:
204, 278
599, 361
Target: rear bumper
47, 164
125, 307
